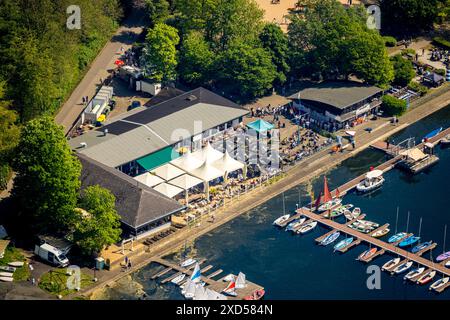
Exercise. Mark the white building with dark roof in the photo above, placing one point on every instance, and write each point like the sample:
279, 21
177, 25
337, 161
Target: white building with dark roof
338, 103
148, 137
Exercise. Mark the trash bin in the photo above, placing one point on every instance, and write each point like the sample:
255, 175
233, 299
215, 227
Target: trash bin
99, 263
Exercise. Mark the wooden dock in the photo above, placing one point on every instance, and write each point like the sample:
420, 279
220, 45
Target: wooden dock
383, 246
216, 285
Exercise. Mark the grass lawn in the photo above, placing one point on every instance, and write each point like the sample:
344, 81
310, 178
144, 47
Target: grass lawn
13, 254
55, 282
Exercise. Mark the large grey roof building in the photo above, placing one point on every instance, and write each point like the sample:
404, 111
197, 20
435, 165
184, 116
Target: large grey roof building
141, 208
144, 131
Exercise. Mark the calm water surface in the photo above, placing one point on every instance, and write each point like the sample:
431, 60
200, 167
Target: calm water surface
294, 267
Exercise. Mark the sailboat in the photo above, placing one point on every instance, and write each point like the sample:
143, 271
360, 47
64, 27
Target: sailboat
240, 281
189, 289
230, 289
200, 293
329, 202
196, 274
281, 220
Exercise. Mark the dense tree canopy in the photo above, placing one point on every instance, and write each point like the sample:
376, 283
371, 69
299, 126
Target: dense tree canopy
402, 16
101, 226
393, 106
403, 69
275, 42
158, 11
46, 186
160, 53
40, 58
334, 42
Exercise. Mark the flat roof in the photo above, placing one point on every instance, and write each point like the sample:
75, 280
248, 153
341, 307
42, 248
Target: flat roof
337, 94
146, 130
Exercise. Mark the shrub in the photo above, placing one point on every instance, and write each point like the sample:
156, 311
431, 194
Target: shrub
417, 87
439, 41
409, 51
390, 41
5, 173
441, 72
393, 106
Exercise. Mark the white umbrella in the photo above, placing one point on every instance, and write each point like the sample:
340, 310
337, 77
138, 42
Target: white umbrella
227, 164
168, 189
207, 172
149, 179
186, 182
208, 153
187, 162
167, 171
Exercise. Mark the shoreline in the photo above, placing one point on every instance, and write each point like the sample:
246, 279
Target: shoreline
301, 172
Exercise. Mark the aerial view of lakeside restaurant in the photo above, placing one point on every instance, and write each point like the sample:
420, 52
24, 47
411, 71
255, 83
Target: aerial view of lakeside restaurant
152, 155
336, 105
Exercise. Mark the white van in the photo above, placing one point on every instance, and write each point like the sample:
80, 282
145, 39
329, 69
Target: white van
51, 254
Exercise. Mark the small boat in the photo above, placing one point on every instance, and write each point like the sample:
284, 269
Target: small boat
330, 204
414, 273
178, 279
367, 223
397, 237
295, 224
228, 278
307, 227
433, 133
447, 264
390, 264
421, 246
230, 289
342, 244
380, 233
16, 264
443, 256
188, 262
330, 238
427, 277
439, 283
409, 241
281, 220
6, 279
356, 212
445, 141
348, 215
374, 179
7, 269
367, 254
240, 281
5, 274
403, 267
256, 295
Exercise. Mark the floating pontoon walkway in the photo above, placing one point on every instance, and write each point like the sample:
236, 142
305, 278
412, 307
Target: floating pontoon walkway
216, 285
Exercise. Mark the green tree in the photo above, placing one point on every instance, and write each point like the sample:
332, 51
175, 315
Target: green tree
393, 106
334, 42
101, 226
160, 54
196, 60
403, 69
246, 71
158, 11
46, 186
275, 42
402, 16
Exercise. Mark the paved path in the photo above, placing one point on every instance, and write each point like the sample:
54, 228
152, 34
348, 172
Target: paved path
125, 36
302, 172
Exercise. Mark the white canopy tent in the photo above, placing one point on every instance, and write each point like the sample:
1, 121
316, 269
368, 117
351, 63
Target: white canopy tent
187, 162
208, 153
167, 171
149, 179
227, 164
186, 182
168, 189
207, 172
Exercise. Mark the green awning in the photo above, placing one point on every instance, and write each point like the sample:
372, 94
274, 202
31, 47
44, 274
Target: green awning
158, 158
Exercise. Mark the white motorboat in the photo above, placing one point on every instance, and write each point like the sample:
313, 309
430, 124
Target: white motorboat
374, 179
307, 227
390, 264
295, 224
439, 283
16, 264
279, 221
356, 212
330, 204
403, 267
6, 279
414, 273
446, 140
178, 279
5, 274
188, 262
